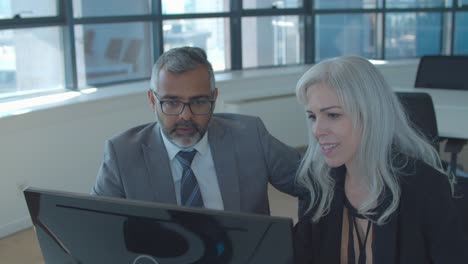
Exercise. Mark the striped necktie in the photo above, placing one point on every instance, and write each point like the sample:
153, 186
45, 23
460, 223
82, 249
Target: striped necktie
189, 190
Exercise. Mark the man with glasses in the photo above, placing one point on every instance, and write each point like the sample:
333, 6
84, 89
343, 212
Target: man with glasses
191, 156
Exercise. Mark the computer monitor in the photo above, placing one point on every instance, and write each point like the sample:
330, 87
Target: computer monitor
78, 228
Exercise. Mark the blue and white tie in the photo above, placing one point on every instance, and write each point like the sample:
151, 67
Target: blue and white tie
189, 190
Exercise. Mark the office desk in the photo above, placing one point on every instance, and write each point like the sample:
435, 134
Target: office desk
451, 108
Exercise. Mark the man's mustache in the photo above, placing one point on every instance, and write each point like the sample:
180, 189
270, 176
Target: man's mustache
185, 123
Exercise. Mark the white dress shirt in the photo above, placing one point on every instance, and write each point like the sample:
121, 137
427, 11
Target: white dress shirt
203, 168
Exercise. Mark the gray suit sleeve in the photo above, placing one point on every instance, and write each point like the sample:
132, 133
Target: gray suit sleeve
108, 182
282, 162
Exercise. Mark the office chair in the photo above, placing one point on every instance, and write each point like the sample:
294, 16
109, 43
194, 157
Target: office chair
420, 110
132, 53
461, 200
444, 72
89, 38
421, 114
114, 49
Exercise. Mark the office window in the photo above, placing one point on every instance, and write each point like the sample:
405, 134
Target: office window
210, 34
31, 61
109, 53
347, 4
194, 6
414, 3
462, 3
258, 4
270, 41
346, 34
90, 8
113, 39
412, 34
461, 33
27, 8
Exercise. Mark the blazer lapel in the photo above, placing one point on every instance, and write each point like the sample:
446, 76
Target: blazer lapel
159, 170
224, 158
385, 245
330, 227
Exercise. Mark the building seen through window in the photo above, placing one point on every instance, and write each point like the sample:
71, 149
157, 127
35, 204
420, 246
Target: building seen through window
31, 59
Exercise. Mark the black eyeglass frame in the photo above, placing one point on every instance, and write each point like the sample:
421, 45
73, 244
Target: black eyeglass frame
184, 104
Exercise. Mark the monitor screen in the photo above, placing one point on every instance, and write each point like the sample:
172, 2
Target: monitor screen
78, 228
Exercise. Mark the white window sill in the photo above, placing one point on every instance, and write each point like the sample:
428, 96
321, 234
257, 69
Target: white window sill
234, 86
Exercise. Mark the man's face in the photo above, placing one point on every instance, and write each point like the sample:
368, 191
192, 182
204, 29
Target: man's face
186, 128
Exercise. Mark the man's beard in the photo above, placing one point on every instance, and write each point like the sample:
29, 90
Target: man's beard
184, 141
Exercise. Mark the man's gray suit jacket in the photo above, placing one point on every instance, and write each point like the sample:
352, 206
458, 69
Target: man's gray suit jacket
245, 155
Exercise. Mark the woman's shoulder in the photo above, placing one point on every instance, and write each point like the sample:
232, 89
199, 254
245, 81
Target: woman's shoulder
418, 176
304, 222
416, 168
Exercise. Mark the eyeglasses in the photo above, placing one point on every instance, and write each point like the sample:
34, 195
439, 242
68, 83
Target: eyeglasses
200, 106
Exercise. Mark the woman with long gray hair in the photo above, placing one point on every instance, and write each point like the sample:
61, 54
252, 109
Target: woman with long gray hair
377, 191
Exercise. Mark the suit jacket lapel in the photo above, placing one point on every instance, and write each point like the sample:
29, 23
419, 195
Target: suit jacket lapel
224, 158
159, 170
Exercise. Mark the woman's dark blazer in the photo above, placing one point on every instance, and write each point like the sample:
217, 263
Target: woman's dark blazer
426, 228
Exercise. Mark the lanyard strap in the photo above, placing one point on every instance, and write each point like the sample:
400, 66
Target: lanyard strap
362, 244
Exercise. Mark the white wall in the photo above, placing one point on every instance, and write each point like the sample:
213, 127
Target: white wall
60, 147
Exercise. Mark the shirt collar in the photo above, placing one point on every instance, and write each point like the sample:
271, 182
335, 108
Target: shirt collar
202, 146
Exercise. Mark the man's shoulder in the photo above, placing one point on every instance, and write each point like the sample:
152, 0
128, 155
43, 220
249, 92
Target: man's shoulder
235, 120
134, 134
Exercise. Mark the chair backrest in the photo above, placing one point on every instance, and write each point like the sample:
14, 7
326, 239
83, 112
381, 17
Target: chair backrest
443, 72
132, 53
420, 111
461, 200
114, 49
89, 38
